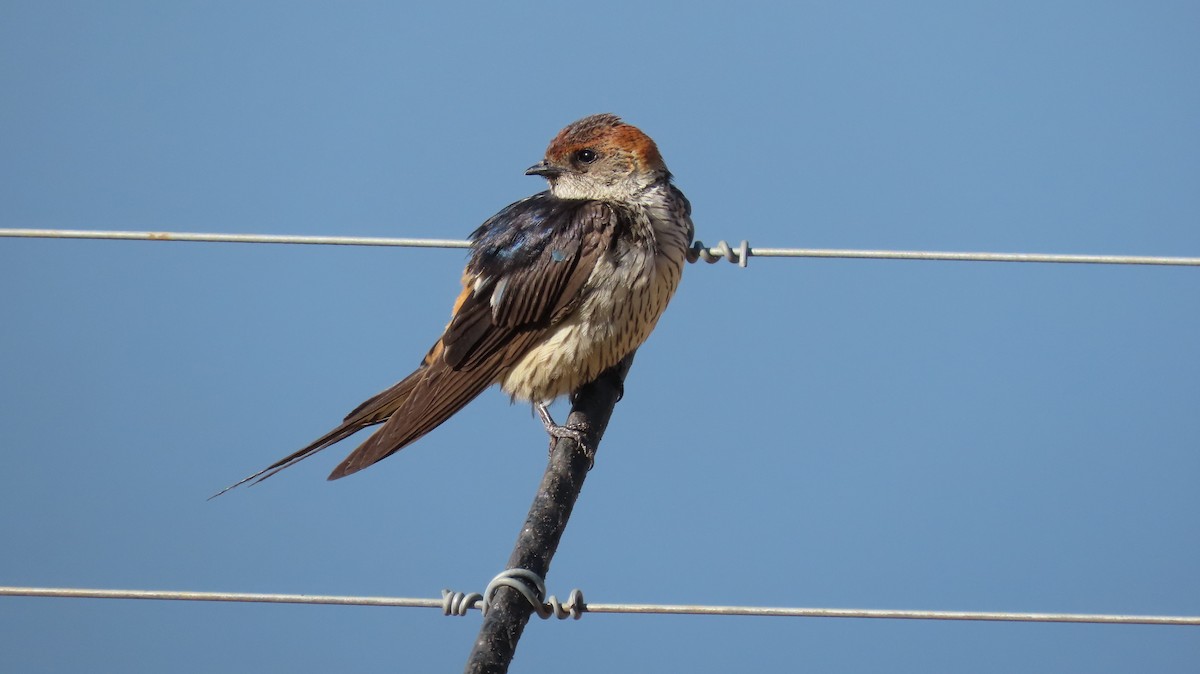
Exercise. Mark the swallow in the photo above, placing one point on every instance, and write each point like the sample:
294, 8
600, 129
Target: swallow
558, 287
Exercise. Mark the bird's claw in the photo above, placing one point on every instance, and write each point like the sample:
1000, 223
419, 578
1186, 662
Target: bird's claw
576, 432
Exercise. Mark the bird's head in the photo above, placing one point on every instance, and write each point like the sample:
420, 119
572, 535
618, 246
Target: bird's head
601, 157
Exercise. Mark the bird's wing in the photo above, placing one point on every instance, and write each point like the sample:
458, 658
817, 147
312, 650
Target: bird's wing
527, 271
527, 275
528, 267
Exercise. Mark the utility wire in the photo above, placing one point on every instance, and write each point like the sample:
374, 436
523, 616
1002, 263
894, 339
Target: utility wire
721, 250
678, 609
231, 238
82, 593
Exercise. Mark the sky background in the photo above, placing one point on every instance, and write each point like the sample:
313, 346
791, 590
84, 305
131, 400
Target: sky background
823, 433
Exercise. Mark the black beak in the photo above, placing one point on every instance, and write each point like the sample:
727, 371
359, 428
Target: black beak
544, 170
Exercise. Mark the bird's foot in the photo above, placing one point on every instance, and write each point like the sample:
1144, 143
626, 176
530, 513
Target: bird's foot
576, 432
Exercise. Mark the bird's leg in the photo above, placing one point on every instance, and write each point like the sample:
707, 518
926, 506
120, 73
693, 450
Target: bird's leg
576, 432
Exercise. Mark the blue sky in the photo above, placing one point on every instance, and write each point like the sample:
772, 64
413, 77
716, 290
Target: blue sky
841, 433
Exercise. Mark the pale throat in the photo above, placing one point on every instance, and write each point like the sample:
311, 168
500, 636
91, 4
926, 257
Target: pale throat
635, 188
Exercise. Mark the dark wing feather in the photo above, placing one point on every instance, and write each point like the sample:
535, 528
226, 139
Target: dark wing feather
530, 263
528, 266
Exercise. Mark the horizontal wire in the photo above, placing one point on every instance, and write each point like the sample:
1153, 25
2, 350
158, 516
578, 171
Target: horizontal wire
716, 251
897, 614
231, 238
87, 593
676, 609
976, 257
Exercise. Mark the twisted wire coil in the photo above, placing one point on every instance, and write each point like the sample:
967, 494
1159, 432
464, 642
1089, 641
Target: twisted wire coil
528, 584
739, 256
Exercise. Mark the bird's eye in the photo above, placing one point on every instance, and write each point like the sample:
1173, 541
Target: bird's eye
586, 156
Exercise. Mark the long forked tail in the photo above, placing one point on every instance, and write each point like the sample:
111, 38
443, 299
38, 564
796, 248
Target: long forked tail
413, 407
374, 411
338, 434
441, 394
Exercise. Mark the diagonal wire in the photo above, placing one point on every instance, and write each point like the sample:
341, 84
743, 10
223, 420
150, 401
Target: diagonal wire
721, 250
677, 609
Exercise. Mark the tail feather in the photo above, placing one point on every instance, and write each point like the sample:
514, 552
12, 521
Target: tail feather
410, 409
441, 394
338, 434
374, 411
